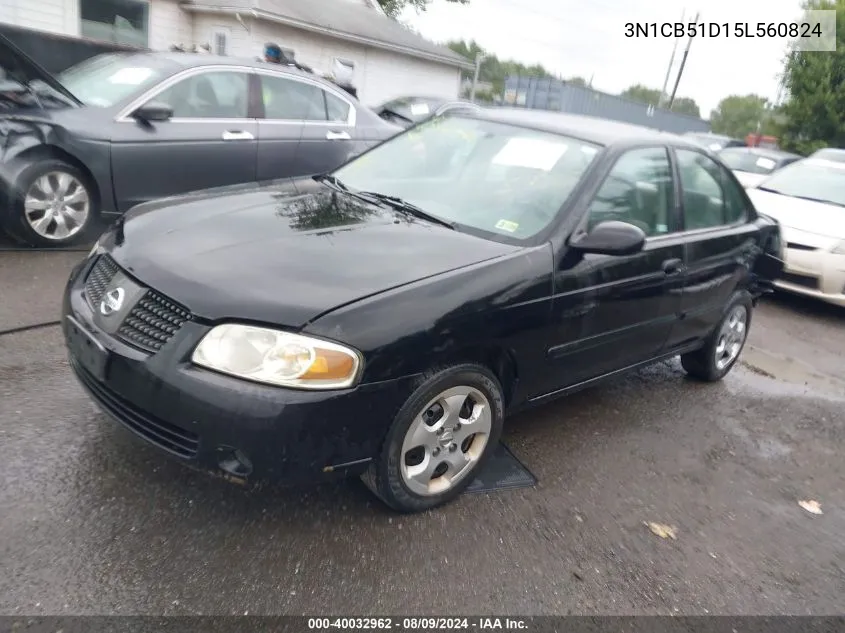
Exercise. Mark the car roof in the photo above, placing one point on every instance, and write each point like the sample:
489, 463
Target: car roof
761, 151
587, 128
181, 60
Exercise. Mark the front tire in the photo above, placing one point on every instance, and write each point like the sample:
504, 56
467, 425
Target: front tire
439, 440
54, 204
723, 347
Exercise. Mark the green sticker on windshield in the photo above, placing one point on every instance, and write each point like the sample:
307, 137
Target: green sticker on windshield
507, 225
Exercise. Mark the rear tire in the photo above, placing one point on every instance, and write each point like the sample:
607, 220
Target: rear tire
53, 204
440, 439
724, 345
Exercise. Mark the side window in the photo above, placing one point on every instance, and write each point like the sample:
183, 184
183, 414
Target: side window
711, 197
212, 95
291, 100
337, 108
735, 209
637, 190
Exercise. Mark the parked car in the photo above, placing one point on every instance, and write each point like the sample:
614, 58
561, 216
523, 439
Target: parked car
381, 320
830, 153
752, 165
408, 111
714, 142
808, 199
124, 128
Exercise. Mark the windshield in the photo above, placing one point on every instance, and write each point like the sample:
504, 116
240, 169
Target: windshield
105, 80
814, 179
741, 160
498, 179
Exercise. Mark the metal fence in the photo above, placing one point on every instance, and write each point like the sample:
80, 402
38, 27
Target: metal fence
56, 52
554, 94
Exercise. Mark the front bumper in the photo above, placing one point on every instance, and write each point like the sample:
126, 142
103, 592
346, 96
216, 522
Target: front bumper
814, 273
202, 418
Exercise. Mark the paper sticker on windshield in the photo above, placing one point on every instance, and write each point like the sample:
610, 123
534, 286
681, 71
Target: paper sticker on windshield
765, 163
130, 76
589, 151
419, 109
507, 225
531, 153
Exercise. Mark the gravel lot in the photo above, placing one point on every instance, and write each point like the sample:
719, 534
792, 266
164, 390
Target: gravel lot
93, 522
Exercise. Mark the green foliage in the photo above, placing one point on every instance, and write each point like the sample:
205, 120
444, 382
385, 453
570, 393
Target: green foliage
651, 96
395, 7
814, 112
738, 115
495, 70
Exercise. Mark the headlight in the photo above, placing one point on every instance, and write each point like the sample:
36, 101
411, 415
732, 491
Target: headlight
278, 358
839, 249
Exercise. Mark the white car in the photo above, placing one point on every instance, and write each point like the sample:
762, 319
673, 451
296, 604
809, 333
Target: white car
752, 165
807, 198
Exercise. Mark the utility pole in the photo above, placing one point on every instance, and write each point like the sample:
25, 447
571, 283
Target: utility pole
478, 59
681, 69
671, 63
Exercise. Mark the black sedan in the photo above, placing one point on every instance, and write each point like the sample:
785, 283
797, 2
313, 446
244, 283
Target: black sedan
408, 111
124, 128
383, 319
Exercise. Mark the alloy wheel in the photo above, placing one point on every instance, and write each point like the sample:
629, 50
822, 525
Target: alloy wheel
57, 206
445, 440
731, 337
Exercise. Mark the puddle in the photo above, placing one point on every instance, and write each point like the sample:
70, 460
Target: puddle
786, 376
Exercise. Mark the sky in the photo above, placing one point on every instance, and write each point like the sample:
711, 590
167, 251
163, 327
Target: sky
587, 38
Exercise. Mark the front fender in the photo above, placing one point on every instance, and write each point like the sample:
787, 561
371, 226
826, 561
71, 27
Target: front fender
25, 141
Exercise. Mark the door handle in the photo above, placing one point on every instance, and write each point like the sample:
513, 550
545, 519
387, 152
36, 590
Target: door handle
337, 136
672, 266
237, 135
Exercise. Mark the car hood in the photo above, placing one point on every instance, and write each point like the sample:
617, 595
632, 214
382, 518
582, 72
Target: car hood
823, 220
282, 254
20, 67
747, 179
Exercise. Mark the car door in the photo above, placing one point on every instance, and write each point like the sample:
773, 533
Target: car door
329, 142
210, 140
611, 312
719, 242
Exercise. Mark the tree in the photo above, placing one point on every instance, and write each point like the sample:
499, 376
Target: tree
814, 112
737, 116
651, 96
494, 70
394, 7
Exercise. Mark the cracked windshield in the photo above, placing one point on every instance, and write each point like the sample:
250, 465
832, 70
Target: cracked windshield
422, 315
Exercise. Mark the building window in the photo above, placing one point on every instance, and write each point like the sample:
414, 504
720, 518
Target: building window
220, 41
118, 21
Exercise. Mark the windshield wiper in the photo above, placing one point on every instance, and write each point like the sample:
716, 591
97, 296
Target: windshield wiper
332, 181
404, 206
811, 199
383, 199
780, 193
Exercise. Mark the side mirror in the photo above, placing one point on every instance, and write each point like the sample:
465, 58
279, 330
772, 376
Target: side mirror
611, 238
153, 111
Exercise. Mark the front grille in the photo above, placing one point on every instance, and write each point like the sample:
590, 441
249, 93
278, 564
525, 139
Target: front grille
98, 279
801, 280
800, 247
152, 322
166, 436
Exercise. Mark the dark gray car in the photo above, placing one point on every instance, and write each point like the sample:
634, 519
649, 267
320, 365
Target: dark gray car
125, 128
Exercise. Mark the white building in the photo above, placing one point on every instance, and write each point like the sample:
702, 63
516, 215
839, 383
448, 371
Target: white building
389, 59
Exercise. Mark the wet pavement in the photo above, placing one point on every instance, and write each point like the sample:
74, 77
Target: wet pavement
93, 522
